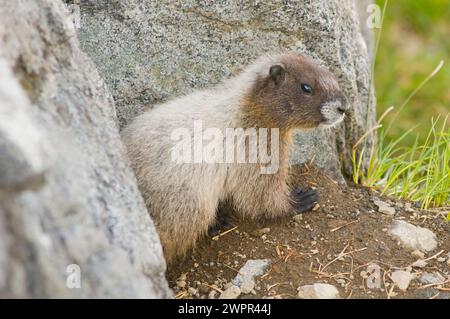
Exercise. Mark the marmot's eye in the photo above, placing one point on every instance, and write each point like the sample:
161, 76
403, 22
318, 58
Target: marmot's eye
306, 88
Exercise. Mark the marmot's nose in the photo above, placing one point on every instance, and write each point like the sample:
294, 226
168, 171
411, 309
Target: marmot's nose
342, 106
341, 109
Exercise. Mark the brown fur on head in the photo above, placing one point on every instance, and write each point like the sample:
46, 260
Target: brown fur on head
296, 93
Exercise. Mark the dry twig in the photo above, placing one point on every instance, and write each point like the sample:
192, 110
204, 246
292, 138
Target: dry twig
224, 233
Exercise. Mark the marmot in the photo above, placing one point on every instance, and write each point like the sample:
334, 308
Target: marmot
285, 91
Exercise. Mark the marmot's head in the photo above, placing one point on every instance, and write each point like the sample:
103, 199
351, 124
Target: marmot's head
293, 92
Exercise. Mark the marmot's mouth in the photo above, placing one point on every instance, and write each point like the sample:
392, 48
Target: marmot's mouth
333, 112
331, 123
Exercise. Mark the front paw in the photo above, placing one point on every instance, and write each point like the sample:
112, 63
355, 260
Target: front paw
304, 199
222, 223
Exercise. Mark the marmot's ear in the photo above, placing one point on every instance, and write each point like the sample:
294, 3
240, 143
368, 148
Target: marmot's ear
277, 73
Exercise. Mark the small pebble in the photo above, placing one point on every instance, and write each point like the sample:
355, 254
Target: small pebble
227, 285
203, 289
260, 232
402, 279
212, 294
183, 277
192, 291
384, 207
341, 282
247, 286
408, 208
231, 293
318, 291
419, 263
418, 254
431, 278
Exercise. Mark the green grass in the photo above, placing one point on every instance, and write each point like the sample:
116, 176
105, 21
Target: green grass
415, 38
420, 172
411, 158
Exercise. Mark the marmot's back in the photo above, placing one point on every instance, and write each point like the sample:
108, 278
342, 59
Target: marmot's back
150, 141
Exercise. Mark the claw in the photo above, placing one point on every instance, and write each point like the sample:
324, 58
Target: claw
305, 199
222, 223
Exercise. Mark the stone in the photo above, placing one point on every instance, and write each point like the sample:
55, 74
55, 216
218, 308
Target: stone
22, 164
408, 208
318, 291
384, 207
252, 268
431, 278
431, 293
260, 232
192, 291
181, 284
373, 279
146, 59
232, 292
212, 294
413, 237
399, 205
247, 286
71, 214
183, 277
341, 282
203, 288
418, 253
420, 263
402, 278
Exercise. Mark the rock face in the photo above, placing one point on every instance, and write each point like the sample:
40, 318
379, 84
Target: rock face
365, 10
72, 222
149, 51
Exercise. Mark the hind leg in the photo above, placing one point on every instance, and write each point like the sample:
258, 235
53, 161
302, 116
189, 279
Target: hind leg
268, 199
180, 228
222, 223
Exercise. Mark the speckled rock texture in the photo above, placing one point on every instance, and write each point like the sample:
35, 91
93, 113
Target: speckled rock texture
149, 51
67, 193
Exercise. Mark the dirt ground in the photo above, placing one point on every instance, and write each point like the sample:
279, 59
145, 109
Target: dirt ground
334, 244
